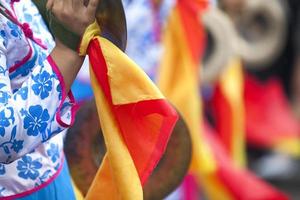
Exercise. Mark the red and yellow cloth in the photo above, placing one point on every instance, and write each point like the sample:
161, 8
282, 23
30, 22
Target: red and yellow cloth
229, 111
232, 176
179, 82
135, 118
270, 122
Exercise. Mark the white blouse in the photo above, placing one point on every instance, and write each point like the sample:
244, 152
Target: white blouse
34, 107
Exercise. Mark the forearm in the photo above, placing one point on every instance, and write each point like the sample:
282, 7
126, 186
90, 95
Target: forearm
66, 13
68, 62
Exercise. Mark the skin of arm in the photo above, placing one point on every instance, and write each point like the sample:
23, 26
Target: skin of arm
68, 12
68, 62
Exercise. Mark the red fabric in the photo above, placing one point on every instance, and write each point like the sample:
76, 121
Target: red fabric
145, 126
269, 118
223, 115
190, 14
242, 184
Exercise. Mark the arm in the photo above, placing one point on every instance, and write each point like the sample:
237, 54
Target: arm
29, 116
67, 12
68, 62
34, 113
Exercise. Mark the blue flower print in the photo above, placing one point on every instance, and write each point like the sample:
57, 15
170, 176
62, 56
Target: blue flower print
4, 122
53, 152
2, 189
43, 84
4, 37
17, 145
59, 90
42, 57
23, 92
26, 68
4, 96
36, 120
28, 168
2, 169
46, 175
3, 34
3, 70
15, 30
2, 85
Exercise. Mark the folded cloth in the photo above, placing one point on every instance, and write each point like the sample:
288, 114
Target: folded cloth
135, 119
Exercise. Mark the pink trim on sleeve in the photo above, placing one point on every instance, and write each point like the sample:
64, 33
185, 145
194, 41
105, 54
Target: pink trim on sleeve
75, 107
24, 26
23, 61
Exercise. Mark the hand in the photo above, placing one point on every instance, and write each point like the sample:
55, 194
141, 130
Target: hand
75, 14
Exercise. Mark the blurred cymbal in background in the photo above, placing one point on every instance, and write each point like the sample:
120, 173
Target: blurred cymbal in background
261, 27
221, 44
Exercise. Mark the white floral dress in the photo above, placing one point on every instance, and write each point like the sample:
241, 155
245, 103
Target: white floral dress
34, 108
144, 25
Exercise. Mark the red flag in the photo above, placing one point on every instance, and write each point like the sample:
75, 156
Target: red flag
241, 183
270, 122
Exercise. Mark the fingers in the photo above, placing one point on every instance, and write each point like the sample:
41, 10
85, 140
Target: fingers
67, 5
49, 4
77, 4
73, 14
57, 6
92, 7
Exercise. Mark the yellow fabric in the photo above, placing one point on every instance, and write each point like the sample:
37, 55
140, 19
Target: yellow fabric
78, 194
288, 146
90, 32
213, 188
117, 177
178, 80
138, 88
232, 86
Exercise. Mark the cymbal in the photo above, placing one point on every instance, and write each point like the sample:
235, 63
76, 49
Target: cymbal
111, 18
85, 149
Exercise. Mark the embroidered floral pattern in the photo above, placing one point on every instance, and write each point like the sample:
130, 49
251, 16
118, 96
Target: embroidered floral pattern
28, 168
14, 29
43, 84
2, 169
29, 100
53, 152
36, 120
23, 93
17, 145
12, 144
2, 189
4, 122
4, 36
4, 96
59, 90
6, 119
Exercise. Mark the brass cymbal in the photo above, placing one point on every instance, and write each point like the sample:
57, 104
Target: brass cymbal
111, 18
85, 148
262, 31
221, 44
110, 15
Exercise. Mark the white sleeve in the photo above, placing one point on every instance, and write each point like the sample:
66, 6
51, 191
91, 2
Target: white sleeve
33, 113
